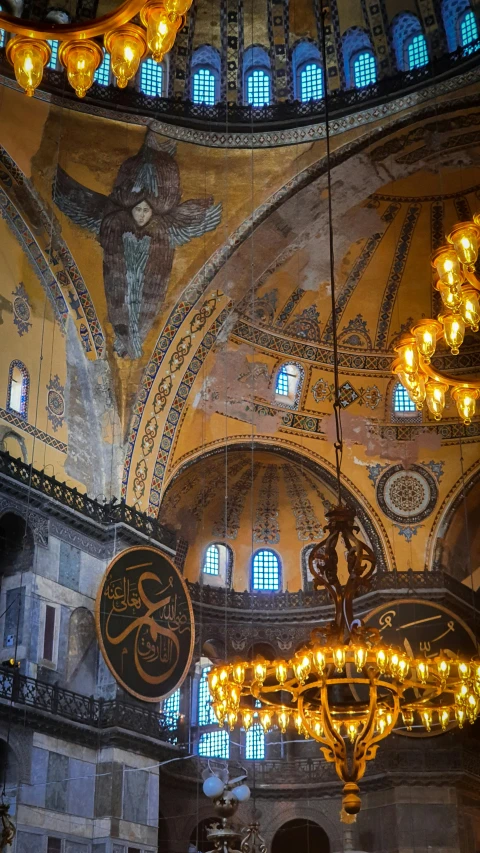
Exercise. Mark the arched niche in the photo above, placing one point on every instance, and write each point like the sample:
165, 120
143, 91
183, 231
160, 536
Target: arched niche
301, 835
82, 652
16, 544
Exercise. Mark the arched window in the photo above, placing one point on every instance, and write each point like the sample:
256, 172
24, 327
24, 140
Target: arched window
468, 30
102, 74
206, 714
257, 76
401, 401
255, 743
460, 24
358, 57
205, 75
409, 42
214, 744
18, 388
364, 69
171, 709
217, 564
151, 78
265, 571
288, 385
307, 72
211, 561
54, 57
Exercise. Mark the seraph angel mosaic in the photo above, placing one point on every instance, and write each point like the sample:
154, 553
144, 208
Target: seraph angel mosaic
139, 226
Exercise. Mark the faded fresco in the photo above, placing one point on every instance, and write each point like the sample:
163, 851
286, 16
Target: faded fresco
139, 225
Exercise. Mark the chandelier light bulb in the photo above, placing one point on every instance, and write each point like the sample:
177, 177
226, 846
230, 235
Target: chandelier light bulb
444, 718
177, 8
414, 384
265, 717
466, 400
281, 672
318, 729
29, 57
435, 396
425, 334
447, 265
247, 717
453, 330
283, 718
460, 716
402, 668
352, 732
127, 47
302, 667
382, 660
451, 295
232, 719
238, 673
161, 29
260, 671
470, 308
81, 59
360, 655
464, 239
443, 668
426, 716
241, 793
463, 671
408, 355
339, 658
422, 671
408, 718
213, 787
319, 658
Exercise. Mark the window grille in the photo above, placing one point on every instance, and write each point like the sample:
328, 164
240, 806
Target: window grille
211, 563
151, 78
255, 743
364, 69
171, 709
468, 29
417, 54
54, 57
266, 571
282, 382
214, 744
204, 87
102, 74
206, 714
311, 82
401, 400
258, 88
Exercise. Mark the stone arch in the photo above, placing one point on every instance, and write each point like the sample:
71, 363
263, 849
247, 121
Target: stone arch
302, 833
366, 514
436, 553
324, 814
7, 436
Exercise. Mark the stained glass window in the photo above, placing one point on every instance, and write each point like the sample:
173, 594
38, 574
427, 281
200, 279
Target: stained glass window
102, 74
401, 400
255, 743
417, 54
171, 709
206, 714
364, 69
258, 88
54, 56
468, 29
203, 87
214, 744
266, 570
211, 562
311, 82
151, 78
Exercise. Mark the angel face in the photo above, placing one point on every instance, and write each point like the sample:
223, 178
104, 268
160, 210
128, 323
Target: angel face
142, 213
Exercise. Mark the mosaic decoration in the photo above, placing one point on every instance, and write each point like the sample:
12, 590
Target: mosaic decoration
404, 329
21, 309
34, 431
228, 526
308, 526
374, 471
358, 269
278, 32
436, 468
408, 532
55, 403
139, 226
377, 21
462, 207
406, 496
289, 307
326, 503
306, 325
402, 249
266, 527
371, 397
263, 307
355, 334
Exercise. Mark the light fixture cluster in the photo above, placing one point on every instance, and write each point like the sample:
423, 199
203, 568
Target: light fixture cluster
345, 688
458, 286
80, 55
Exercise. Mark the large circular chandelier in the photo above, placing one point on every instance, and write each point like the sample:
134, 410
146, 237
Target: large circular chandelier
80, 53
345, 688
458, 285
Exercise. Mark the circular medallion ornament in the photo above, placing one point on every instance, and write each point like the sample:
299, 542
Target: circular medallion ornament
21, 309
407, 496
145, 623
56, 403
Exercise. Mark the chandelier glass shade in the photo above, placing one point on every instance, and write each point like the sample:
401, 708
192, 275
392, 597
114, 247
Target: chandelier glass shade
80, 50
459, 286
345, 688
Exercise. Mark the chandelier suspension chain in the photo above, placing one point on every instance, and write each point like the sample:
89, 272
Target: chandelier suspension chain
338, 445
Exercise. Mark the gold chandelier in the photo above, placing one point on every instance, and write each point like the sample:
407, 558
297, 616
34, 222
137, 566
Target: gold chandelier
80, 54
345, 688
458, 286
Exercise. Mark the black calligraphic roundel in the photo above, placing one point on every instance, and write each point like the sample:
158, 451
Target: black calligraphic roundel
145, 623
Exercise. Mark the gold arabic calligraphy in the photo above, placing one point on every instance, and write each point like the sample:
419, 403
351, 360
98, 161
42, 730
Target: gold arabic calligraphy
155, 629
386, 621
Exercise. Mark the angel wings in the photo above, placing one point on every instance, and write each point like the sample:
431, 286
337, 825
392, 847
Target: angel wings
139, 225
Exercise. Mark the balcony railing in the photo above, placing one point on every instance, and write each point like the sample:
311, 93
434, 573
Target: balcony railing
108, 513
100, 714
238, 117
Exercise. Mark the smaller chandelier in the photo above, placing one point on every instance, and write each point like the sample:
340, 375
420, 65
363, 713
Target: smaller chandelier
458, 286
345, 688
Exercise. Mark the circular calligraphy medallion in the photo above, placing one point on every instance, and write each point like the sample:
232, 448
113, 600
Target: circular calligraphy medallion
145, 623
407, 495
21, 309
